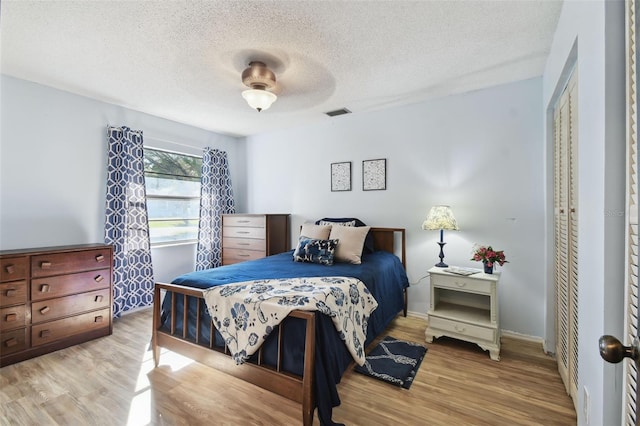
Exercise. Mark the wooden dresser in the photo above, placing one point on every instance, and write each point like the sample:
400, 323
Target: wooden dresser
252, 236
52, 298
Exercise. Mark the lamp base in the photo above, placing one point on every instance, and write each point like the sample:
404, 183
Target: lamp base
441, 256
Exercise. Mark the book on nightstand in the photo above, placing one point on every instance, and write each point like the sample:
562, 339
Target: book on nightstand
462, 271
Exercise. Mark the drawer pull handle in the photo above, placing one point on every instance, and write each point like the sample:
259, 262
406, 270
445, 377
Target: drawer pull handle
98, 319
45, 333
460, 284
45, 310
10, 269
98, 298
460, 329
244, 221
244, 255
243, 244
11, 292
99, 258
11, 342
243, 232
44, 288
45, 265
98, 278
11, 317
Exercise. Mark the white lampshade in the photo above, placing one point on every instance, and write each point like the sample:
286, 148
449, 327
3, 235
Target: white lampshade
440, 217
259, 99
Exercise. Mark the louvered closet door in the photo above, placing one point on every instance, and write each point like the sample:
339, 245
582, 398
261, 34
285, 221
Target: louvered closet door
630, 408
566, 235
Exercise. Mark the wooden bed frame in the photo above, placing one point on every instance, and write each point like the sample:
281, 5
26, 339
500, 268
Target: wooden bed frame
296, 388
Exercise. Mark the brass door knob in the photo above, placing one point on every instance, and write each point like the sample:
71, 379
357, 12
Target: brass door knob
612, 350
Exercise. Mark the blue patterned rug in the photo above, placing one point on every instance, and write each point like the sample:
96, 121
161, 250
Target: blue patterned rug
394, 361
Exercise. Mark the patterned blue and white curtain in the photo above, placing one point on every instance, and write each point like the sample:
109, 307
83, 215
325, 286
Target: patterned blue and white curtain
216, 199
127, 226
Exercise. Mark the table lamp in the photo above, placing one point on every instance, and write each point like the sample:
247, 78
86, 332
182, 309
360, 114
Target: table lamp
440, 217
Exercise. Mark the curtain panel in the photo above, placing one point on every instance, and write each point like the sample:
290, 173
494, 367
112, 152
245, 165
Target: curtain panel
216, 199
127, 225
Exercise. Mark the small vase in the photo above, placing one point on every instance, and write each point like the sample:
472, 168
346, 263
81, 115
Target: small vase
487, 269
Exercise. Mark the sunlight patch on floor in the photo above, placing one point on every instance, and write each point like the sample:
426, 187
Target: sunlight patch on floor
175, 361
140, 408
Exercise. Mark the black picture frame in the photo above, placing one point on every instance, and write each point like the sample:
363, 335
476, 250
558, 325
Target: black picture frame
341, 176
374, 175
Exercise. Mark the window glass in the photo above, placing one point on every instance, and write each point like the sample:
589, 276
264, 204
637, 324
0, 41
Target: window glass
173, 195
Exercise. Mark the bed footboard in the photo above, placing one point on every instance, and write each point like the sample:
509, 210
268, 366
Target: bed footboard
274, 379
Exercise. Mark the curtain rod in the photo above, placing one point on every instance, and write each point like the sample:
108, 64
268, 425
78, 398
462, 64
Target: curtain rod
159, 139
171, 142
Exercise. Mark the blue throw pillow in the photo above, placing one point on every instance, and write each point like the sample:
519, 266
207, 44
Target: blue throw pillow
315, 251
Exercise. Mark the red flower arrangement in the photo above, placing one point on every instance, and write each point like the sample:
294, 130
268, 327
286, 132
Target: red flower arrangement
489, 256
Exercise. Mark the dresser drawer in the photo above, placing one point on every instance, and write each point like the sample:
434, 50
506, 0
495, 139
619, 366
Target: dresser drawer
230, 256
462, 329
462, 283
243, 232
244, 221
62, 328
13, 341
13, 268
46, 265
13, 317
244, 244
13, 293
70, 305
63, 285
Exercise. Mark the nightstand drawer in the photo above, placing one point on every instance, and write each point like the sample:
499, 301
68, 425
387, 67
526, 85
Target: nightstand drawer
462, 283
462, 329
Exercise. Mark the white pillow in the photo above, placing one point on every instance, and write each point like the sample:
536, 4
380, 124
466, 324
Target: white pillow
316, 232
350, 244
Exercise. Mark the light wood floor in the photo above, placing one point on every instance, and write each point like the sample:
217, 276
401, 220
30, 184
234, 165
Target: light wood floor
111, 381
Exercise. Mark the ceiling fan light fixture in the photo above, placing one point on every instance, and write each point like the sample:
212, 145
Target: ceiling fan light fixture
259, 99
260, 80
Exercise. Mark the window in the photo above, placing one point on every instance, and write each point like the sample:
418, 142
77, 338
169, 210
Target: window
173, 195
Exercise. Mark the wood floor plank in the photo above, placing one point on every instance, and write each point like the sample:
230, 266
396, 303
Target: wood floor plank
112, 381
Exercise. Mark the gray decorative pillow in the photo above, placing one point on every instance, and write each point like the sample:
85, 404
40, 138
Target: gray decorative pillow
315, 251
351, 242
317, 232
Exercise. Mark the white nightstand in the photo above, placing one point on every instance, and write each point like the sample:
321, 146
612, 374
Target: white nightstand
465, 308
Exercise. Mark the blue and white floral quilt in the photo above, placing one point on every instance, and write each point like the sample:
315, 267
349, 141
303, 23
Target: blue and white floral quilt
246, 313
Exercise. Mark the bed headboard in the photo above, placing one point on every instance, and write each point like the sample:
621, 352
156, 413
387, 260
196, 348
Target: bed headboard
384, 239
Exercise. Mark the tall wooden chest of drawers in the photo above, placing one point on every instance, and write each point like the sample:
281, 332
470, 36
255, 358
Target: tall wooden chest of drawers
252, 236
52, 298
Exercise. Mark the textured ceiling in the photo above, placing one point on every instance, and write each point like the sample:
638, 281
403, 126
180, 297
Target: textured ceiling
182, 60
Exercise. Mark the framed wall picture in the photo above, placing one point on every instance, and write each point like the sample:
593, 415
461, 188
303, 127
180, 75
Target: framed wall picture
374, 175
341, 176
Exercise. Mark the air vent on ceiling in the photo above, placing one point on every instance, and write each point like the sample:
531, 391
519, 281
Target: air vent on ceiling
338, 112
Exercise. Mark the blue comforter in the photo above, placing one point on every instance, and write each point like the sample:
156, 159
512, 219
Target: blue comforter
380, 271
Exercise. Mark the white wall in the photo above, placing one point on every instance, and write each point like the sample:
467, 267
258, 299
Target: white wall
53, 162
480, 152
590, 35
